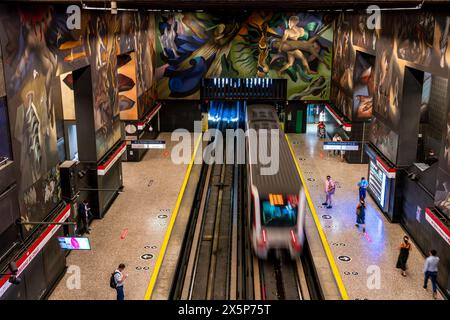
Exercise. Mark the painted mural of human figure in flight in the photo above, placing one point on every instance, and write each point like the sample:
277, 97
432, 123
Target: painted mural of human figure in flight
293, 32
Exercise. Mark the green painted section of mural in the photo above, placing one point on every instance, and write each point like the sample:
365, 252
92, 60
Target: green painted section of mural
293, 46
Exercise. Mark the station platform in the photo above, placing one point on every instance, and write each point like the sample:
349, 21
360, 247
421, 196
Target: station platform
357, 255
133, 232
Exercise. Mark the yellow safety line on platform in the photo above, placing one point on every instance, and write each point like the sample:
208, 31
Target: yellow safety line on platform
162, 252
330, 258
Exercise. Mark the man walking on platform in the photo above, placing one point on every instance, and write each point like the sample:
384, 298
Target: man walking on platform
430, 270
330, 187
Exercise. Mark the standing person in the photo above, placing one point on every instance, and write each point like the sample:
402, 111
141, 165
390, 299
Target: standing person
335, 140
361, 215
321, 130
430, 270
363, 184
119, 279
340, 152
84, 212
330, 187
405, 247
431, 158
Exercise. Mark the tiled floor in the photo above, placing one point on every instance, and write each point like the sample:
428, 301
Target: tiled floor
375, 250
151, 189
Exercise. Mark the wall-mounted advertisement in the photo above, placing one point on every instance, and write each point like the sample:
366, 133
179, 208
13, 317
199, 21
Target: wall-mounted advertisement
74, 243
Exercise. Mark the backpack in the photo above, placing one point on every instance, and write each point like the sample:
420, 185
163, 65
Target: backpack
112, 280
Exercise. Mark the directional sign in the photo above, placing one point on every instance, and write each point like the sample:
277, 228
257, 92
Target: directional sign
341, 145
148, 144
344, 258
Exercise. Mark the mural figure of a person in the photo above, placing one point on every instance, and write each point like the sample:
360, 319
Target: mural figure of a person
294, 32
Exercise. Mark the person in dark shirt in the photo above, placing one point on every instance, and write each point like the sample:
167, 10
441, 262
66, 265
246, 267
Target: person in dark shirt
431, 158
84, 212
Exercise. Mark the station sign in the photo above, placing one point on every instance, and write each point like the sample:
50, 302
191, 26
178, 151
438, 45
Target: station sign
148, 144
341, 145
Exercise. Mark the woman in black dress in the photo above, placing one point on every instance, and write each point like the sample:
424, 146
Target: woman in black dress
405, 247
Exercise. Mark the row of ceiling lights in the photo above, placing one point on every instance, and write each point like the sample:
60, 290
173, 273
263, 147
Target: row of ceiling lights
114, 9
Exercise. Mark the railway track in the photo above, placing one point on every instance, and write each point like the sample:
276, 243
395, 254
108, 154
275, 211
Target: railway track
283, 279
217, 261
210, 253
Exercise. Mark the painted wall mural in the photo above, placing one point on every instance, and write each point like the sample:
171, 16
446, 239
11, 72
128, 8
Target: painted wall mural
441, 40
126, 69
388, 81
442, 196
37, 50
343, 66
30, 67
5, 142
146, 62
105, 81
363, 36
384, 138
138, 35
294, 46
2, 78
418, 41
415, 37
67, 95
364, 86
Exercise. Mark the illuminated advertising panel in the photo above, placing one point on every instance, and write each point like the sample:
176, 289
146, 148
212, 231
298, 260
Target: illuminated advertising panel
73, 243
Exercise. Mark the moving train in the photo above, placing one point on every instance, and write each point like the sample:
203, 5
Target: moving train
277, 200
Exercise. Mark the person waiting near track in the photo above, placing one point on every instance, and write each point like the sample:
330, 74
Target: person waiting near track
321, 130
119, 279
330, 187
361, 214
405, 248
363, 184
430, 270
84, 215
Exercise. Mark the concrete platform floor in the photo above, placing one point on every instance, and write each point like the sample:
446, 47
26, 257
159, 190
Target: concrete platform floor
140, 215
379, 247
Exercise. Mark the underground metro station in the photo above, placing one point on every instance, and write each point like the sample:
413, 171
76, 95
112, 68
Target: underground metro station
225, 150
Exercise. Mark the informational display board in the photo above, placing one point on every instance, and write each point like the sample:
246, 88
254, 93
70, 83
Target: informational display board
341, 145
74, 243
377, 183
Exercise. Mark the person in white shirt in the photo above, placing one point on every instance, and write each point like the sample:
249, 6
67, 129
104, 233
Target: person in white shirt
430, 270
330, 187
119, 277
